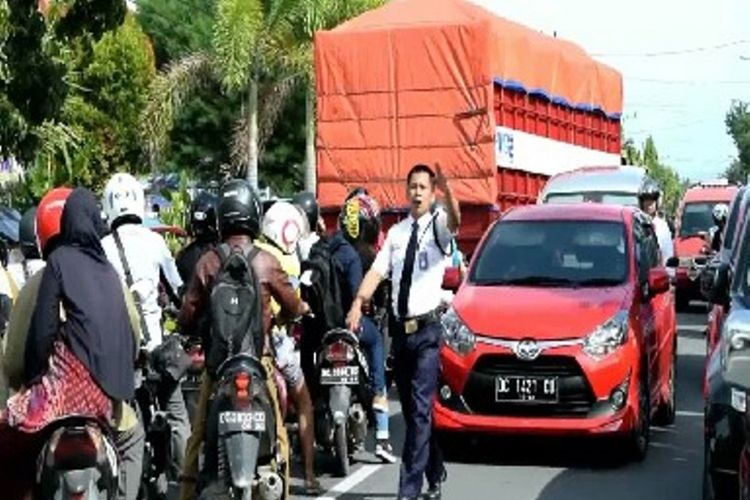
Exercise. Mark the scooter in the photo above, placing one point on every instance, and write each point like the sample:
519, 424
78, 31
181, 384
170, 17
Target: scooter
344, 398
78, 461
242, 456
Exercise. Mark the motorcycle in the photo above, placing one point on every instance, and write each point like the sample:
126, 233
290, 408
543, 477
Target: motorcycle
242, 457
79, 460
344, 398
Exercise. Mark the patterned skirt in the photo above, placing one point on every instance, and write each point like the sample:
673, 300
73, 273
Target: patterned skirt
66, 389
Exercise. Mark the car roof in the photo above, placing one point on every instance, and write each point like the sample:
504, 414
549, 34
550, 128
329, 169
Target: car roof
625, 178
697, 194
576, 211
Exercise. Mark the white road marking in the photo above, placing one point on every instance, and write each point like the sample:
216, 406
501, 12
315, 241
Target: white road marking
689, 413
692, 328
350, 482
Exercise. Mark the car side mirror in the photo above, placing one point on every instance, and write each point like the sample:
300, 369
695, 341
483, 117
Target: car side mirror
720, 288
658, 281
452, 279
672, 262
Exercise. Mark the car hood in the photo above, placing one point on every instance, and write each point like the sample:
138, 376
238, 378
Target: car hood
689, 246
542, 313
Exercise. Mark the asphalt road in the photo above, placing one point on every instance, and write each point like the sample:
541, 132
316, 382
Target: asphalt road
527, 469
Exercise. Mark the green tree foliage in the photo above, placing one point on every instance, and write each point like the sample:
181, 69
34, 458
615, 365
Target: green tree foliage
671, 184
738, 127
102, 113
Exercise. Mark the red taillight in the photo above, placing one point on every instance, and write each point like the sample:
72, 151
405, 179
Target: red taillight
75, 449
339, 352
242, 384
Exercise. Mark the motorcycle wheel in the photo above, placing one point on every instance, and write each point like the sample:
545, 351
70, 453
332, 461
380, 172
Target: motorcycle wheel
341, 444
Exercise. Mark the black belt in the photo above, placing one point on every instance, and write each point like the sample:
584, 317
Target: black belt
413, 325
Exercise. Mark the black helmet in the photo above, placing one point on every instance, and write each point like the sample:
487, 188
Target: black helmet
203, 221
27, 235
649, 190
239, 209
307, 202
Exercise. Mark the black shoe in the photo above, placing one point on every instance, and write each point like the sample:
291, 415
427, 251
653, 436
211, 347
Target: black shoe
434, 492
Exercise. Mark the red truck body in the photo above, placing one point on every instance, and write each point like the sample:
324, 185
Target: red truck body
500, 106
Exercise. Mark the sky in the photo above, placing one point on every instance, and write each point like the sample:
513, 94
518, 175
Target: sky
681, 99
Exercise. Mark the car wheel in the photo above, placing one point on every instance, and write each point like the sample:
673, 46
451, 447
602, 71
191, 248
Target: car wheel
637, 441
668, 408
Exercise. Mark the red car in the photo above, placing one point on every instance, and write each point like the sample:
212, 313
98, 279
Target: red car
694, 220
564, 325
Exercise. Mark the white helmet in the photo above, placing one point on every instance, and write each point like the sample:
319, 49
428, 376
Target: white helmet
123, 195
720, 211
284, 224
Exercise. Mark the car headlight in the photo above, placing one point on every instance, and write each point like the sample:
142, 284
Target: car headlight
736, 335
456, 334
607, 337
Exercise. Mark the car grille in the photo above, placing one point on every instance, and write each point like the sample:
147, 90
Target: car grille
576, 396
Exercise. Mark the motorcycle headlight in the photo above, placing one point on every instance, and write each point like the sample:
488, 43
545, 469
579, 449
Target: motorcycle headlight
607, 337
456, 334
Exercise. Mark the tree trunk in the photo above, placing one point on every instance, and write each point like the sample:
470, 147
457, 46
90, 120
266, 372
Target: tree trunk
310, 167
252, 148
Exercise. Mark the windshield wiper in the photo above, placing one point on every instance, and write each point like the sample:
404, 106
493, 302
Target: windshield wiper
599, 282
530, 280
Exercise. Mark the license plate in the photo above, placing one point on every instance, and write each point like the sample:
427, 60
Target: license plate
239, 421
526, 389
340, 375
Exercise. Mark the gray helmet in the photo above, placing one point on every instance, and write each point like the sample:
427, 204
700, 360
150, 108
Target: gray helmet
649, 190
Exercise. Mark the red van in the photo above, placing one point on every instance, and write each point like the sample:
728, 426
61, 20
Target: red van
564, 325
694, 219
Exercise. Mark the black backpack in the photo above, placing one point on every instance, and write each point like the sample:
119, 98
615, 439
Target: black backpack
236, 310
325, 294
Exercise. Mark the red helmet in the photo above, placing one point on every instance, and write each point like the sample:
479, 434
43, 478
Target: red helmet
49, 215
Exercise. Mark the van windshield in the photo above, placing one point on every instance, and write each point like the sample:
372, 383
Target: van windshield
627, 199
696, 218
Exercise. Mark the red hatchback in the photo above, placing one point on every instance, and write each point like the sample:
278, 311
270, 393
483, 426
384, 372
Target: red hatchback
565, 325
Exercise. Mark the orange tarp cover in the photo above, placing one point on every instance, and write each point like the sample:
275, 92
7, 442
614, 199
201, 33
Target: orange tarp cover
412, 82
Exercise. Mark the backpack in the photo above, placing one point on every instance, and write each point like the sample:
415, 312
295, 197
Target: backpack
324, 292
236, 308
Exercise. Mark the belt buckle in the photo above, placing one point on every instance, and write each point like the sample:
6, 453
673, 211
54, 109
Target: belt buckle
411, 326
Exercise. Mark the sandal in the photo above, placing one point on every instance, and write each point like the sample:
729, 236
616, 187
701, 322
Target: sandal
313, 488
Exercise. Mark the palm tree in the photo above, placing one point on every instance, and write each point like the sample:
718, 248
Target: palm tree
312, 16
255, 54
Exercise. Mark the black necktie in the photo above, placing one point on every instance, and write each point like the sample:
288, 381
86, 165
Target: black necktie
403, 291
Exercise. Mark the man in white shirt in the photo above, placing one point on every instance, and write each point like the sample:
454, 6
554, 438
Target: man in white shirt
648, 198
415, 260
143, 261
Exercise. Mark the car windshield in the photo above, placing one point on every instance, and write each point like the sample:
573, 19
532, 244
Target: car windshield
552, 253
696, 218
628, 199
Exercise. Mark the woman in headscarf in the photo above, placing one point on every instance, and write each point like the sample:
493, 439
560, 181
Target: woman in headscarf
80, 347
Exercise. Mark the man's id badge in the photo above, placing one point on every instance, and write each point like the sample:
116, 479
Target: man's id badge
423, 260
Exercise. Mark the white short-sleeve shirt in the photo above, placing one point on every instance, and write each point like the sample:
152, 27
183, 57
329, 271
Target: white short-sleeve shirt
429, 264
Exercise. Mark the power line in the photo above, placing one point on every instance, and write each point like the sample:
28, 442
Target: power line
677, 52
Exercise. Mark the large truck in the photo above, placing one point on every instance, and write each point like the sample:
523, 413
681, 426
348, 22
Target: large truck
500, 106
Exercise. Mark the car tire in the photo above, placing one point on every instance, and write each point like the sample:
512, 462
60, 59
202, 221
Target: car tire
708, 487
637, 440
667, 411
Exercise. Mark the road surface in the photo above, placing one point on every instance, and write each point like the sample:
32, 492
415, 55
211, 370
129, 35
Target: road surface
559, 470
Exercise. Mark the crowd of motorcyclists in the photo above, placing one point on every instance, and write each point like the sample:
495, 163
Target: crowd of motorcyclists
89, 294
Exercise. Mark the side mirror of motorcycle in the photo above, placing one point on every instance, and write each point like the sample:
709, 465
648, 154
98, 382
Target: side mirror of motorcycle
672, 262
452, 279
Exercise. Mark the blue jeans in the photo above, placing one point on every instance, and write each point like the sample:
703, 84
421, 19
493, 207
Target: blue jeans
372, 343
